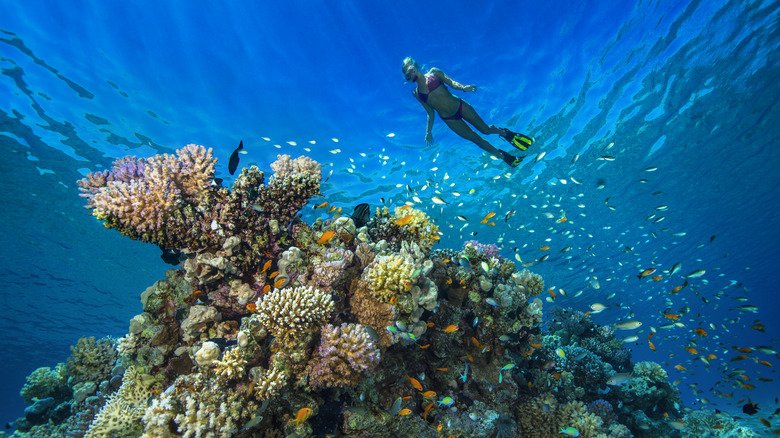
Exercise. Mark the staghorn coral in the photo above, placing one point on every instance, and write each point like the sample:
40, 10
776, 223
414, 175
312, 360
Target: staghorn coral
91, 360
389, 276
123, 409
344, 354
290, 312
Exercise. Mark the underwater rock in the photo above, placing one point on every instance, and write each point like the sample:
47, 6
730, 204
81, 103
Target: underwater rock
208, 353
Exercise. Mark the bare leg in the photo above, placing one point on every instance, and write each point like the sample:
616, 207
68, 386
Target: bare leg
471, 116
462, 129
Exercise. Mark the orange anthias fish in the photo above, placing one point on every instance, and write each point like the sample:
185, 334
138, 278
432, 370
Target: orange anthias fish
266, 266
488, 216
672, 316
544, 248
561, 220
645, 273
658, 278
675, 290
302, 416
450, 329
429, 394
332, 209
273, 274
266, 288
691, 350
416, 383
404, 412
680, 367
552, 293
279, 283
425, 412
651, 345
324, 204
326, 236
405, 220
252, 307
700, 331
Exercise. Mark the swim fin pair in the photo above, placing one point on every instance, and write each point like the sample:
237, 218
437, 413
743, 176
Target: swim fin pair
520, 141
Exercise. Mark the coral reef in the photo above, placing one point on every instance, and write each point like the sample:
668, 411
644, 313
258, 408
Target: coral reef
120, 415
344, 354
289, 312
274, 327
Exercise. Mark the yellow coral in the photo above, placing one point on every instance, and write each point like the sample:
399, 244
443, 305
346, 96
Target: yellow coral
650, 371
389, 276
290, 312
231, 366
427, 232
124, 408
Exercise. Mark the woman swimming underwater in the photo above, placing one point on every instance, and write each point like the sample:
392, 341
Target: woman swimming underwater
433, 94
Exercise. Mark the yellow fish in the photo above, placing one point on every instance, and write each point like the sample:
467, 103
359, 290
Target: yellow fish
405, 220
450, 329
279, 283
302, 416
266, 266
488, 216
326, 236
404, 412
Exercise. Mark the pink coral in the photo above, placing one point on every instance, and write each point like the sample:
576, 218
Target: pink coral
144, 199
344, 354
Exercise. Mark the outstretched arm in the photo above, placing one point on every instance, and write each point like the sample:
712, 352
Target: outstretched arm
453, 84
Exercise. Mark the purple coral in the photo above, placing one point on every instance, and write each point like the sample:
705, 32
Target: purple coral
488, 249
344, 354
603, 409
142, 194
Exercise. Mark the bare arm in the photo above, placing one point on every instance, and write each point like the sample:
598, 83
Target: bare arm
453, 84
431, 117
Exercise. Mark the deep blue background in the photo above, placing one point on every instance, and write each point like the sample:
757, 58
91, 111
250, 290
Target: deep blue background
688, 88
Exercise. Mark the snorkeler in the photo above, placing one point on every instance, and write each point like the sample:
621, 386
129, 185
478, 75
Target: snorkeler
456, 112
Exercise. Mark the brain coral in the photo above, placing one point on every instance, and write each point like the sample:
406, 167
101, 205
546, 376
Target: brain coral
389, 276
289, 312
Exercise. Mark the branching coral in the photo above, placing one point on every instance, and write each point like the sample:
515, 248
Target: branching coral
290, 312
45, 382
269, 383
145, 202
231, 365
344, 354
197, 408
91, 360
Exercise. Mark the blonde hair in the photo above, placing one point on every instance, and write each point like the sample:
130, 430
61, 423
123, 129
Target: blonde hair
407, 62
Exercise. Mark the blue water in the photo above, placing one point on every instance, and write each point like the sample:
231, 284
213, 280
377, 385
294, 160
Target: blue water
689, 89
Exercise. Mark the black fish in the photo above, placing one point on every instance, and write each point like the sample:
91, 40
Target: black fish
750, 408
361, 214
170, 256
233, 163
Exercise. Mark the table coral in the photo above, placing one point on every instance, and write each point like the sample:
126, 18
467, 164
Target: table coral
290, 312
344, 354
